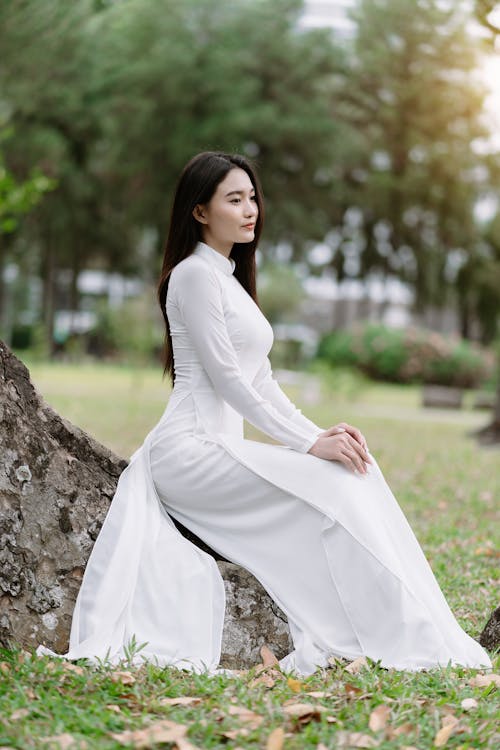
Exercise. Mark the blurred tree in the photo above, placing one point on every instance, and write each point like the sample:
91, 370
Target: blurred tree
113, 98
415, 110
16, 200
488, 283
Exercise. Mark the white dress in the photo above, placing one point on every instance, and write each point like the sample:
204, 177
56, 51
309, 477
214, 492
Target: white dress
331, 547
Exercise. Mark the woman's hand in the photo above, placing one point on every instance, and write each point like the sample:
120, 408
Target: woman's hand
343, 443
340, 427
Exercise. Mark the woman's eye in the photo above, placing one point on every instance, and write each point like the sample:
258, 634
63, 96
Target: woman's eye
253, 198
235, 200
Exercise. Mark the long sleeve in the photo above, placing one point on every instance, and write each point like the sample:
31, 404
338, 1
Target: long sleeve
198, 298
269, 388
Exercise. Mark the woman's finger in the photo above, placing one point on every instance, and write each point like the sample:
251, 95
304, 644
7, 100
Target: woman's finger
359, 449
356, 460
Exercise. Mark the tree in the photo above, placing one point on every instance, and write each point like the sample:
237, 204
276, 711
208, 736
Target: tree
414, 110
491, 272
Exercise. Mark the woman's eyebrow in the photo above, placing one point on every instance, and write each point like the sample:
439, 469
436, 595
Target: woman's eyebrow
237, 192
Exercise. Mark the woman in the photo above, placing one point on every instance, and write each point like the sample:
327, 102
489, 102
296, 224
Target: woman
311, 517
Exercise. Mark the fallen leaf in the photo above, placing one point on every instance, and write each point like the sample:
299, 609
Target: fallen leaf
392, 732
304, 712
113, 707
64, 741
276, 739
233, 734
469, 703
449, 726
126, 678
161, 731
355, 739
181, 700
483, 680
70, 667
19, 713
357, 665
352, 691
267, 678
268, 658
246, 715
294, 685
319, 694
4, 667
378, 717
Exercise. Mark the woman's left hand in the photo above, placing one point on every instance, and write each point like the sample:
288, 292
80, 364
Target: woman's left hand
344, 427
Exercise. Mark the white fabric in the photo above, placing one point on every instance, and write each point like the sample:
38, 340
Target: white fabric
332, 548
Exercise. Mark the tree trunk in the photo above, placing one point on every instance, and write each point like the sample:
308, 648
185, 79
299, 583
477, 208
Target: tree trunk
490, 435
56, 484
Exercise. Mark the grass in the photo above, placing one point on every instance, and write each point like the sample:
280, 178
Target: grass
448, 488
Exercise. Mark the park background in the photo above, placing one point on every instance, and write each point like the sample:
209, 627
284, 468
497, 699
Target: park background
375, 128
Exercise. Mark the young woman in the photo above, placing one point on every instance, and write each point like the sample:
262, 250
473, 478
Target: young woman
310, 515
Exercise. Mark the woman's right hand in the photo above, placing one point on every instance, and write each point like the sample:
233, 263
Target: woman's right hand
344, 448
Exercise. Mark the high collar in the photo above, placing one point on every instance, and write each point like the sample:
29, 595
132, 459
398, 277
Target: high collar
226, 265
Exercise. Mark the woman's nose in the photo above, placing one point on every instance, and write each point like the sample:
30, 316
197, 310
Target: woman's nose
251, 208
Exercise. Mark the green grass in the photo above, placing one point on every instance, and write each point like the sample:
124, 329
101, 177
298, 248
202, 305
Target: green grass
448, 488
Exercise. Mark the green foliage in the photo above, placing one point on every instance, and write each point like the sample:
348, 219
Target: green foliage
408, 355
131, 331
19, 198
280, 292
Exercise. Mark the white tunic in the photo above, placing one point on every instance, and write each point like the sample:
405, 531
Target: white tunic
331, 547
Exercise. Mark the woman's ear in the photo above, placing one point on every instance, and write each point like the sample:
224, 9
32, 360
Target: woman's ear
199, 213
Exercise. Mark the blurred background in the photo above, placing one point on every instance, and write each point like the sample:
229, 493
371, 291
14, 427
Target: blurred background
375, 127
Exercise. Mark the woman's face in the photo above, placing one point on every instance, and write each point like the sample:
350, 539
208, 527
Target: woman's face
231, 213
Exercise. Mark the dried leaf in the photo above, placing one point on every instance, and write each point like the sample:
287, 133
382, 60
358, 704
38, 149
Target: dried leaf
378, 717
19, 713
294, 685
483, 680
181, 700
126, 678
265, 678
246, 715
352, 691
233, 734
449, 726
161, 731
392, 732
319, 694
355, 739
268, 658
357, 665
4, 667
304, 712
276, 739
70, 667
113, 707
469, 703
64, 741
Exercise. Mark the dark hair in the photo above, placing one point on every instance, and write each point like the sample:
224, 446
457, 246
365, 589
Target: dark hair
197, 184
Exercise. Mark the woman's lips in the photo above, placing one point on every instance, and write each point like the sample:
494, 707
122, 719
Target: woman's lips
248, 226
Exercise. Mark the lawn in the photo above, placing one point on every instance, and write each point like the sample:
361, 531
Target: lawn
449, 489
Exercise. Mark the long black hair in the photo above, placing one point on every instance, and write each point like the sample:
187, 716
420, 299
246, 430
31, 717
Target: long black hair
197, 184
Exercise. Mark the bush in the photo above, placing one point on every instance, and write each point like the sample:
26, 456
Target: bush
411, 355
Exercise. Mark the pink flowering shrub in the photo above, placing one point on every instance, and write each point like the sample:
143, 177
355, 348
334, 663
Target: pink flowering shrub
408, 355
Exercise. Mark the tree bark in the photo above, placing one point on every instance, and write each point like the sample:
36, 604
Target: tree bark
56, 485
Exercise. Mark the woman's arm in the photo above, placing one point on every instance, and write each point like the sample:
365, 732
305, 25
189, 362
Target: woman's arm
198, 298
269, 388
